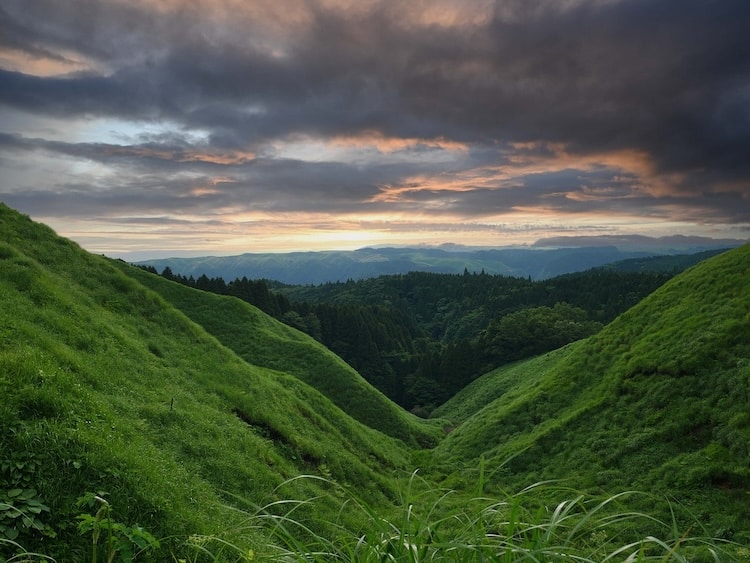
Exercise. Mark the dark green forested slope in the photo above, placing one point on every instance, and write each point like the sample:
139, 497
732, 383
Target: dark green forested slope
107, 387
421, 337
457, 326
454, 307
667, 264
263, 341
657, 401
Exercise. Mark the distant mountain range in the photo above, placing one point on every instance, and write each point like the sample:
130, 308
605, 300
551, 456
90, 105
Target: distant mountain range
540, 261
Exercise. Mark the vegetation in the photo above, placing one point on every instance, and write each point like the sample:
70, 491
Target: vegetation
655, 401
106, 387
137, 424
261, 341
672, 264
421, 337
430, 524
506, 381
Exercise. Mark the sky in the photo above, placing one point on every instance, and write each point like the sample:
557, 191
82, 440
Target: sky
191, 127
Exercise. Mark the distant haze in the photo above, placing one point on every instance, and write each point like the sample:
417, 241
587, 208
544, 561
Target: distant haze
302, 268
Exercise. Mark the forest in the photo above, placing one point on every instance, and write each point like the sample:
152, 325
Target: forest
420, 337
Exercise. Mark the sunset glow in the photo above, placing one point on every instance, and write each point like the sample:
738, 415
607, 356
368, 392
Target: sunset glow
221, 126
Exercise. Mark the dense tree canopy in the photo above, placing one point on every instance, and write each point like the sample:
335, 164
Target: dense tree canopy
420, 337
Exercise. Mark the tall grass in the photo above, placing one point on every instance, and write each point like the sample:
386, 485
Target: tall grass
432, 524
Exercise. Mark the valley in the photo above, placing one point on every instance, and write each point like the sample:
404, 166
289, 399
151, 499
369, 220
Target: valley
208, 430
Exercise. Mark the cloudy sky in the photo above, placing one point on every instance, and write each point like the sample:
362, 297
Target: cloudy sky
228, 126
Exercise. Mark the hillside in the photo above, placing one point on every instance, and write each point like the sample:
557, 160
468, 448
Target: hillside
107, 387
655, 401
454, 307
507, 381
263, 341
122, 413
420, 337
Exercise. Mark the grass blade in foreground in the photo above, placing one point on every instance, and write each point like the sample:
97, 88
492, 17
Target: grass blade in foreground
442, 525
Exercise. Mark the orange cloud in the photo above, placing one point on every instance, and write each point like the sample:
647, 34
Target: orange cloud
182, 155
541, 157
39, 65
536, 157
639, 176
587, 193
387, 145
466, 180
446, 13
211, 189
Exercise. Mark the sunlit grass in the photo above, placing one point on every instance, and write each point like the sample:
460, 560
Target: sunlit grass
657, 401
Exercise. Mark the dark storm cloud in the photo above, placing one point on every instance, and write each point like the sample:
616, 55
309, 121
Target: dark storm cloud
603, 63
669, 79
168, 178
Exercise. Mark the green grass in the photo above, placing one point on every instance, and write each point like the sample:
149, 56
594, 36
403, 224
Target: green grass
508, 381
221, 444
656, 401
113, 389
542, 522
263, 341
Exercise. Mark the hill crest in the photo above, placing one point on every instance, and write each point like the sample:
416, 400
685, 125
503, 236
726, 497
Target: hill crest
108, 387
656, 399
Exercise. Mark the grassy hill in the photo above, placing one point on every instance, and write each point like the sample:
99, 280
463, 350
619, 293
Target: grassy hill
507, 381
107, 387
657, 401
263, 341
128, 401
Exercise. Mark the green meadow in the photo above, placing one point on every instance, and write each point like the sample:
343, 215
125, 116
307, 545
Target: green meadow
144, 420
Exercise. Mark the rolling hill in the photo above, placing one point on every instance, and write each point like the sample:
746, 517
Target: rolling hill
108, 387
134, 405
655, 401
263, 341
